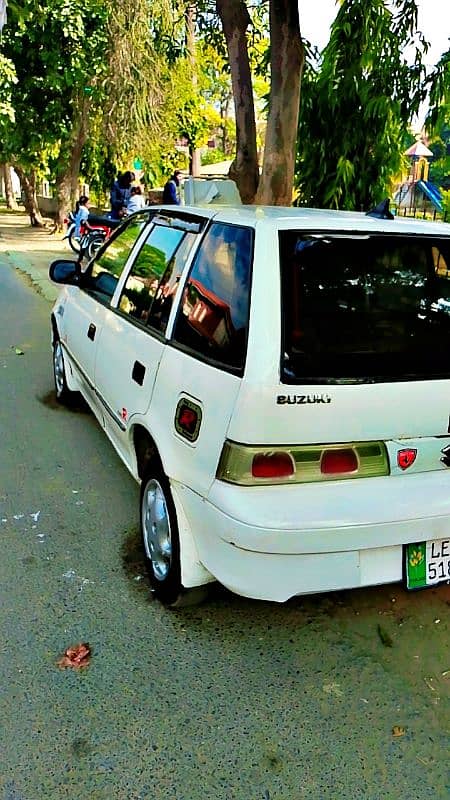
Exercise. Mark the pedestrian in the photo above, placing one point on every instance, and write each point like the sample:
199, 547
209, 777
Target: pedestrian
136, 201
170, 194
120, 194
81, 213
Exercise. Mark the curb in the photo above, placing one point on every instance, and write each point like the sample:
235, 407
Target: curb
41, 283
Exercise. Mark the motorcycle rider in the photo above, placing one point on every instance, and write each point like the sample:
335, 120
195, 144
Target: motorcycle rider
81, 213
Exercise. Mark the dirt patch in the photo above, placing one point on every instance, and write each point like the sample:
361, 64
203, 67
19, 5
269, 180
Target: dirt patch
133, 562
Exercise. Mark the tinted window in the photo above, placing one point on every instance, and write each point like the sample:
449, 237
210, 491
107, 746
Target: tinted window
213, 316
148, 292
364, 308
104, 272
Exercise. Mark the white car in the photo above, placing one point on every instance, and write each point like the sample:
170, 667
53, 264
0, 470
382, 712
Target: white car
278, 380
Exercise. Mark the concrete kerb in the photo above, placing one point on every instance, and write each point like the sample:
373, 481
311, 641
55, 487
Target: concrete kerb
41, 283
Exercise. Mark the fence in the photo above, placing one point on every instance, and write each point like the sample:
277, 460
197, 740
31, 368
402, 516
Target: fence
422, 213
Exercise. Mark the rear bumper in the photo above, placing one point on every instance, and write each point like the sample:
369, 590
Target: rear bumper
315, 538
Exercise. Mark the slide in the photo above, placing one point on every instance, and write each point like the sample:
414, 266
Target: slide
432, 192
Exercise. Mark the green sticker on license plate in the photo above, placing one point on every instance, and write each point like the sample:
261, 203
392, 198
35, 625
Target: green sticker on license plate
427, 563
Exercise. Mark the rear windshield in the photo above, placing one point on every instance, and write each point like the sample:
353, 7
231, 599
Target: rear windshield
364, 308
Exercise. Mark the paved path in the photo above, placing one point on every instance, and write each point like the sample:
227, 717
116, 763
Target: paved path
233, 700
31, 250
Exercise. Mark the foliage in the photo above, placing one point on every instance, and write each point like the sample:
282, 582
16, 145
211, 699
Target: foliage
7, 80
446, 204
56, 52
439, 89
357, 103
213, 155
440, 165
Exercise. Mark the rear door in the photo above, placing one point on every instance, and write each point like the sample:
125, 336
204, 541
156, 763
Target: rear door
203, 363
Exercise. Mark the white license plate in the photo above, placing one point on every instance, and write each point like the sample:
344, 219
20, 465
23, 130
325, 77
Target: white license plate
427, 563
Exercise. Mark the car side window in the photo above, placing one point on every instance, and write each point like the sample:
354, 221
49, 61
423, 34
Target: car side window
104, 272
149, 289
213, 316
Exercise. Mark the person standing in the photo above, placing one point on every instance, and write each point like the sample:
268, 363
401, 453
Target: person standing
120, 194
170, 193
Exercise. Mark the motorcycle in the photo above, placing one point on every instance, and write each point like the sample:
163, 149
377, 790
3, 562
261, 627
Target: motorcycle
93, 233
70, 232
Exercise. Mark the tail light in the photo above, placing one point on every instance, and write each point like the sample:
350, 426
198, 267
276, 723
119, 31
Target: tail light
273, 465
252, 466
338, 462
65, 220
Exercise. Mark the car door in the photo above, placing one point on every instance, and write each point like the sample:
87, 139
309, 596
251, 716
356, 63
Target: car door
202, 366
84, 315
133, 334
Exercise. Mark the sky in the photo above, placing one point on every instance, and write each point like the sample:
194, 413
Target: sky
434, 22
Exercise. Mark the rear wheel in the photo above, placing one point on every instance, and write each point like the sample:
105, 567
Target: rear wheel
161, 541
63, 394
95, 242
74, 241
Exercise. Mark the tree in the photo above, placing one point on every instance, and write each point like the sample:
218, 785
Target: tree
356, 106
245, 171
55, 52
286, 64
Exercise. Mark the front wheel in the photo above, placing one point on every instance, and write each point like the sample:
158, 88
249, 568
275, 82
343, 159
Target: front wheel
63, 394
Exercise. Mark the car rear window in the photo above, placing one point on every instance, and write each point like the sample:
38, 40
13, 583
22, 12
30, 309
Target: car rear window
364, 308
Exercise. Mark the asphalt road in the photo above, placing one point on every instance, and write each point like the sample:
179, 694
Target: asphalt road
232, 700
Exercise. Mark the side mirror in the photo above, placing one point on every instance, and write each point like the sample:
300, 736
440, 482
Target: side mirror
65, 272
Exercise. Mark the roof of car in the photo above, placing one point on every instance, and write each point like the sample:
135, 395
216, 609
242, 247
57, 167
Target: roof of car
286, 218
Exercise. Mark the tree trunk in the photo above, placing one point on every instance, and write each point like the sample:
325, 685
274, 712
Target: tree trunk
244, 170
224, 116
9, 194
286, 67
191, 11
28, 184
68, 168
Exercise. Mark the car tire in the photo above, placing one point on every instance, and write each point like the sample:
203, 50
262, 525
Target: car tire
63, 394
159, 530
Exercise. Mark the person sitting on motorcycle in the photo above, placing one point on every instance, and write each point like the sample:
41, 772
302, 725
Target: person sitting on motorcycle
136, 201
81, 213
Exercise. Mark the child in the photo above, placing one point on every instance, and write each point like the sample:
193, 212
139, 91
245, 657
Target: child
136, 201
81, 213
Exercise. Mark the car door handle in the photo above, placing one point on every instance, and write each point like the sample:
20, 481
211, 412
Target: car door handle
138, 373
91, 331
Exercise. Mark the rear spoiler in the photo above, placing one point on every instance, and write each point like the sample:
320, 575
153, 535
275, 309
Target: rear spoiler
381, 211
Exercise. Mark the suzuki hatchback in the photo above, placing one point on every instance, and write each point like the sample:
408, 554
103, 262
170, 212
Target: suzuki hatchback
278, 381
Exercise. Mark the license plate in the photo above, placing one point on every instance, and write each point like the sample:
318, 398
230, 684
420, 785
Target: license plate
427, 563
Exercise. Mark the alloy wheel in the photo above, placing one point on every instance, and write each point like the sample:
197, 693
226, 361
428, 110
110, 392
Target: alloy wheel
156, 529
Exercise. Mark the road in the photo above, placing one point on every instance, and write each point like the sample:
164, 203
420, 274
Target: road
232, 700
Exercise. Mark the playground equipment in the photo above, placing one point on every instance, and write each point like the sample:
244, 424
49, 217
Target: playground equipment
415, 190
